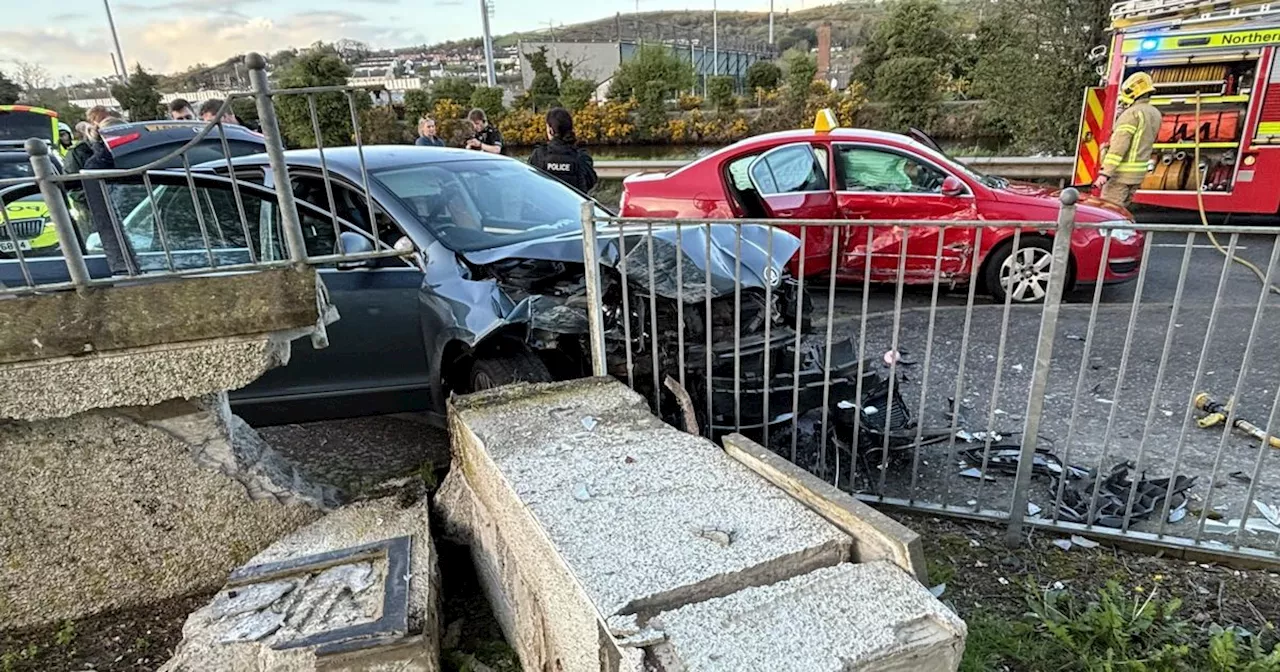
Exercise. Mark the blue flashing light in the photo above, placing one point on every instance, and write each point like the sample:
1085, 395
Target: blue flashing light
1150, 44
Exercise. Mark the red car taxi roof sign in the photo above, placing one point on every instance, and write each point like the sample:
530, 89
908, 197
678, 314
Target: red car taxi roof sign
825, 122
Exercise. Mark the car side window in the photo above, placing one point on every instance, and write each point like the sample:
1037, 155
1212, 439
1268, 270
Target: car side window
189, 217
351, 206
874, 170
788, 170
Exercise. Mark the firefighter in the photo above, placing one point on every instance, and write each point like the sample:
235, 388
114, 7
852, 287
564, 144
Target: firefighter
1127, 155
560, 157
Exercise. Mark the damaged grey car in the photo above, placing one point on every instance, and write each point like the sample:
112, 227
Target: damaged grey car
490, 288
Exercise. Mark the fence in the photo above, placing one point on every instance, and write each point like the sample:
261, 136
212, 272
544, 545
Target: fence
137, 221
1074, 414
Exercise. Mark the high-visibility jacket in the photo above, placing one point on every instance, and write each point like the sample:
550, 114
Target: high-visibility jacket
1128, 153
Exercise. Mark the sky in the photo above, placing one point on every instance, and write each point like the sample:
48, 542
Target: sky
71, 40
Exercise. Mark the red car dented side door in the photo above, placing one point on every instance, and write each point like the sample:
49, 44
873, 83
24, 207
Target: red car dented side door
793, 181
890, 183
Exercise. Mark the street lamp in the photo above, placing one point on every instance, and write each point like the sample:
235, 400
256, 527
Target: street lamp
715, 39
488, 44
770, 21
124, 69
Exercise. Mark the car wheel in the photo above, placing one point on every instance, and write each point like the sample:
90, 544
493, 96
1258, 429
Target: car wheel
504, 369
1022, 274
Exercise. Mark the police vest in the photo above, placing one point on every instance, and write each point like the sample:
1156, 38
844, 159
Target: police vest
562, 161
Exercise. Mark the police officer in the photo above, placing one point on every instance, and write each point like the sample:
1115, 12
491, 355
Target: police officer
560, 157
487, 137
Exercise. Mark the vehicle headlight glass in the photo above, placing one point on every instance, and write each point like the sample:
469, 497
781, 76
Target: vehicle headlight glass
1121, 232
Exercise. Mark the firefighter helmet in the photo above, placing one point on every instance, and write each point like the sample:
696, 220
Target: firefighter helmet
1137, 85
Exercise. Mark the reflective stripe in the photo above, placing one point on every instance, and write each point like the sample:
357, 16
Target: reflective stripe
1112, 160
1126, 128
1137, 136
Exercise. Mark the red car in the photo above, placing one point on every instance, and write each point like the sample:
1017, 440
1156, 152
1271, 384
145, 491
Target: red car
858, 174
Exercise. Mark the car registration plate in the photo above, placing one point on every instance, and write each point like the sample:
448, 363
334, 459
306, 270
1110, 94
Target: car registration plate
7, 245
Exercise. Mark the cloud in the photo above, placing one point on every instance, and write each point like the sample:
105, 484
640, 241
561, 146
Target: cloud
173, 44
221, 7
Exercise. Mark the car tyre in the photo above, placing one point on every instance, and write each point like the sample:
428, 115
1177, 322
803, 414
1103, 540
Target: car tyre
504, 369
1024, 272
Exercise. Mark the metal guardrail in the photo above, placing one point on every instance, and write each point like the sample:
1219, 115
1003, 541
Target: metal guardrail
1105, 401
263, 244
1037, 168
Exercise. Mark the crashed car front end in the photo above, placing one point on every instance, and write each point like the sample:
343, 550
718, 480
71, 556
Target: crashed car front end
671, 296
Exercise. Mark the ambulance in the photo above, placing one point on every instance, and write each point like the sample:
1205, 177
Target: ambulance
1217, 75
25, 228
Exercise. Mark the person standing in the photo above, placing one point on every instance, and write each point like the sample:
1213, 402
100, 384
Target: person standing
561, 157
65, 138
487, 137
1127, 154
99, 199
427, 134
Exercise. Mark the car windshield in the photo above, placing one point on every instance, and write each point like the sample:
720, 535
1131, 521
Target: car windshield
482, 204
18, 167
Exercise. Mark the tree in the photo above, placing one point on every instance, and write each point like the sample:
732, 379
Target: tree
720, 93
31, 76
1032, 66
651, 63
912, 29
544, 91
801, 38
576, 93
9, 90
801, 68
653, 109
911, 88
379, 126
139, 98
320, 65
763, 75
417, 104
454, 89
489, 99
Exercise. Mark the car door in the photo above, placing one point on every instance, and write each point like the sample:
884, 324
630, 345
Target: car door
793, 182
375, 361
878, 182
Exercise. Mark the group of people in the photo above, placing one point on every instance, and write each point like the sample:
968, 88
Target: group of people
560, 157
181, 110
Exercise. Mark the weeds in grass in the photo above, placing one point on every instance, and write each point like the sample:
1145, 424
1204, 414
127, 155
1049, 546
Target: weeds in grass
66, 634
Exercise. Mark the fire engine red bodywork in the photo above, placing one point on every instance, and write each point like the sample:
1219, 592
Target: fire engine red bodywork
700, 190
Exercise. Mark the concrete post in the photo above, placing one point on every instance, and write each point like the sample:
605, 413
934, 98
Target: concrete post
1044, 357
56, 202
289, 220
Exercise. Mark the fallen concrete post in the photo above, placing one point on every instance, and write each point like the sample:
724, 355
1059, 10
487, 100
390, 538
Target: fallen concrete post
357, 590
593, 525
124, 477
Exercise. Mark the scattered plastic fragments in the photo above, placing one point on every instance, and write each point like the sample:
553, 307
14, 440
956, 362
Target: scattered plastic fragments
938, 590
1240, 476
581, 492
1112, 502
1064, 544
1032, 509
1083, 542
715, 535
589, 423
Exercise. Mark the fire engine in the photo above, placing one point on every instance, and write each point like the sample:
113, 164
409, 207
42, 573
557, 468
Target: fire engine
1216, 66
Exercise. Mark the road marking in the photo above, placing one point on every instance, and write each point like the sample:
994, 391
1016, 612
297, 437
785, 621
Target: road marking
1182, 246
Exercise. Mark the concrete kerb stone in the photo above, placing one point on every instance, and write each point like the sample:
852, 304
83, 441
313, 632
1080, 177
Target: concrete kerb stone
562, 489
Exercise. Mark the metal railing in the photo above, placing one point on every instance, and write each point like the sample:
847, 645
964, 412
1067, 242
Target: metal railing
1076, 413
1037, 168
215, 231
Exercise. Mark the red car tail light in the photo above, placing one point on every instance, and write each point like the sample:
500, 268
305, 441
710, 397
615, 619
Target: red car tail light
122, 139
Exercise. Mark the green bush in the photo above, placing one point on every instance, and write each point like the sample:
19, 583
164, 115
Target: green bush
763, 75
320, 65
911, 88
417, 104
456, 89
720, 93
651, 63
653, 108
488, 99
576, 93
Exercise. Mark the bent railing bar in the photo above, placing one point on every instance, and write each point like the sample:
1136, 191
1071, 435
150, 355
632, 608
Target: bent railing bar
324, 174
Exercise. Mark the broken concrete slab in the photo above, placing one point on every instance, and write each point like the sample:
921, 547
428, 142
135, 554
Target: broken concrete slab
871, 617
356, 590
107, 510
588, 517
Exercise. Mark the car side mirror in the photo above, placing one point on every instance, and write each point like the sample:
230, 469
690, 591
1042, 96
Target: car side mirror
952, 186
354, 243
409, 253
